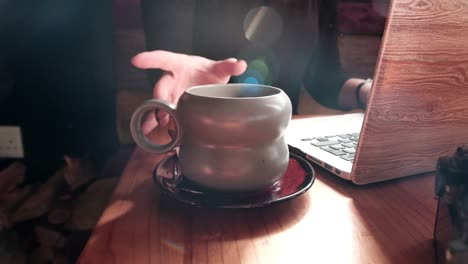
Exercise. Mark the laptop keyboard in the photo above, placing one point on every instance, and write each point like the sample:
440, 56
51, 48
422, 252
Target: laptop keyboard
343, 146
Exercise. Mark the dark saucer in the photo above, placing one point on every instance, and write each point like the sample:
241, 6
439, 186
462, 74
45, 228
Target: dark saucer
298, 178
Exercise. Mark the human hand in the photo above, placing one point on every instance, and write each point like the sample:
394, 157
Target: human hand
348, 96
181, 72
364, 92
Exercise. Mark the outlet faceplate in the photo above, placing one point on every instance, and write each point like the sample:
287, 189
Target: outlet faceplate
11, 145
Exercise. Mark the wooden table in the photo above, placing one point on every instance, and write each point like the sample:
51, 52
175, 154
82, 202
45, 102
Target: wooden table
334, 222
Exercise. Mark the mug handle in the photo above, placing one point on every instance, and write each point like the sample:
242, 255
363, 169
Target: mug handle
141, 139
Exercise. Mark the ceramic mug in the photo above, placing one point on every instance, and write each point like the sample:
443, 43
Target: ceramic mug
231, 136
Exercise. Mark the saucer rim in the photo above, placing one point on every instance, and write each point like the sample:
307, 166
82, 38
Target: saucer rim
308, 182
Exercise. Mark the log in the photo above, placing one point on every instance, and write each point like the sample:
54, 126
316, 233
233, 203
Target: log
19, 257
61, 211
12, 176
48, 237
90, 205
42, 255
10, 249
9, 202
40, 202
60, 258
79, 172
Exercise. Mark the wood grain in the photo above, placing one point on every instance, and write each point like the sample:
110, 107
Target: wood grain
334, 222
417, 110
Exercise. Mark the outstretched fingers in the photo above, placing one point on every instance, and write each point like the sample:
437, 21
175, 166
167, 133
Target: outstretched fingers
158, 59
229, 67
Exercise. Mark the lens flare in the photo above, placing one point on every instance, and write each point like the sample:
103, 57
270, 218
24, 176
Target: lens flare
263, 25
251, 91
263, 66
253, 76
251, 80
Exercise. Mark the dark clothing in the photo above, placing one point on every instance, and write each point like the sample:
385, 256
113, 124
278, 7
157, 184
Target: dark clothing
285, 43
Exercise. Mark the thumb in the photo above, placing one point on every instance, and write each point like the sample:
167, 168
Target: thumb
230, 67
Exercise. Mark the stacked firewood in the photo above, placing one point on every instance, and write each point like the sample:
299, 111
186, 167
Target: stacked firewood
38, 220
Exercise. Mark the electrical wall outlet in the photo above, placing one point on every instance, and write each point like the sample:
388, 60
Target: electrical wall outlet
11, 145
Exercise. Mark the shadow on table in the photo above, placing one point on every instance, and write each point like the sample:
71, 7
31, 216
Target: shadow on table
235, 224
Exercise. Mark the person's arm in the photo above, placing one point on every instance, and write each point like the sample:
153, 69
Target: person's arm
325, 80
354, 93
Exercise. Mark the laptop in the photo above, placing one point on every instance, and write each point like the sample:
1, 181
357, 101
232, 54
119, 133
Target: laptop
418, 107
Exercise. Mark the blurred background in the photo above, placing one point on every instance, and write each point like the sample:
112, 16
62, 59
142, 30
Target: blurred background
56, 78
67, 81
65, 75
